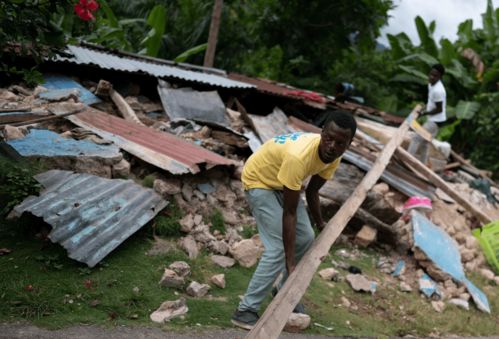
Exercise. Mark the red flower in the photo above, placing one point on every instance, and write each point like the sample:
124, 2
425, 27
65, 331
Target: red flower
85, 8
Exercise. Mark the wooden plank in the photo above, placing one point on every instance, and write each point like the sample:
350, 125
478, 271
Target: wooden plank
440, 183
273, 320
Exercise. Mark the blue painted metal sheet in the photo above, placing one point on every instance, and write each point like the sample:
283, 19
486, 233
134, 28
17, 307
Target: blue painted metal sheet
46, 143
61, 82
108, 59
443, 251
90, 216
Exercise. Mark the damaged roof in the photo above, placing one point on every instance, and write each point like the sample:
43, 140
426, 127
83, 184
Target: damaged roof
90, 216
160, 149
134, 63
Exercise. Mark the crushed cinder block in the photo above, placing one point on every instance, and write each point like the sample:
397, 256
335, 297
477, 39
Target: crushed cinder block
366, 236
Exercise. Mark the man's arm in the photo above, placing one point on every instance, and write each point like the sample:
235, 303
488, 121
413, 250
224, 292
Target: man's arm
312, 194
291, 198
436, 110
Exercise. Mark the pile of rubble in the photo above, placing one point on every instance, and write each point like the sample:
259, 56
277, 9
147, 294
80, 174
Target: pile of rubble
207, 177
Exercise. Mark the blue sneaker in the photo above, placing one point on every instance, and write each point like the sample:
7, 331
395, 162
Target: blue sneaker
244, 319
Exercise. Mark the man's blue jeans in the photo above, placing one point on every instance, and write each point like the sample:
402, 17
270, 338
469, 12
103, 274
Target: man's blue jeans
266, 207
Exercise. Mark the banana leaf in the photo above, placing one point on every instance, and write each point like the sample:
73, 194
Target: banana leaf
466, 110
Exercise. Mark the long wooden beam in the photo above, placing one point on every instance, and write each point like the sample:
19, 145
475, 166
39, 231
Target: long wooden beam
273, 320
440, 183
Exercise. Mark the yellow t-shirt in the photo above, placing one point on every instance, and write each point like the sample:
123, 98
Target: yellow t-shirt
286, 160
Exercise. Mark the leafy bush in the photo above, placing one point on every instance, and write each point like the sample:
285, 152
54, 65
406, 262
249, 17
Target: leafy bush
249, 231
16, 183
168, 224
148, 181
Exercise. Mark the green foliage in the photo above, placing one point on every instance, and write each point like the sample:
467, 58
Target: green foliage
148, 181
425, 35
190, 52
465, 110
167, 224
217, 221
156, 20
249, 231
16, 183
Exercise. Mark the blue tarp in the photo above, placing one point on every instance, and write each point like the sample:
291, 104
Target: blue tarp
59, 82
49, 144
443, 251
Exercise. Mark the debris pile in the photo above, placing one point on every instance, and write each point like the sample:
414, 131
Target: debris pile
189, 140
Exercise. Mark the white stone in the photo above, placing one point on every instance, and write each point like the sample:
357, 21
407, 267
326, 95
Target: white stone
196, 289
405, 287
460, 303
198, 219
12, 133
169, 310
464, 296
181, 268
360, 283
345, 302
297, 322
328, 273
246, 252
121, 169
438, 306
171, 279
222, 261
218, 280
187, 192
188, 244
366, 236
487, 274
166, 187
186, 223
218, 246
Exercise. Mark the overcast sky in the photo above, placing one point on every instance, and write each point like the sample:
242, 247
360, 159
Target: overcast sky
448, 14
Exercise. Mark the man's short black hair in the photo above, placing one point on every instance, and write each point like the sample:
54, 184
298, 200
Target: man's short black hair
342, 119
440, 68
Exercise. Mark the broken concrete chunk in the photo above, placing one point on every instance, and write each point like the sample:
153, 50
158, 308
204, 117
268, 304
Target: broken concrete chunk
360, 283
297, 322
223, 261
329, 273
166, 187
181, 268
405, 287
218, 246
186, 223
196, 289
12, 132
460, 303
121, 169
187, 192
438, 306
246, 252
8, 95
171, 279
487, 274
345, 302
218, 280
169, 310
198, 219
188, 244
366, 236
63, 94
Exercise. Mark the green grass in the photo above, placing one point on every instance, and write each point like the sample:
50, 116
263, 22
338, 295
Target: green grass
64, 292
217, 221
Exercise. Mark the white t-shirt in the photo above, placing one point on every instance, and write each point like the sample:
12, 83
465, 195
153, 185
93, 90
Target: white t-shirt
436, 93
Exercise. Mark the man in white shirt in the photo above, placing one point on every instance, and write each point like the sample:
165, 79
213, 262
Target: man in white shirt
435, 109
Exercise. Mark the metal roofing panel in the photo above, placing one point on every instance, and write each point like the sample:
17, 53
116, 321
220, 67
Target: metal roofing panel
266, 86
160, 149
57, 82
186, 103
268, 126
110, 60
90, 216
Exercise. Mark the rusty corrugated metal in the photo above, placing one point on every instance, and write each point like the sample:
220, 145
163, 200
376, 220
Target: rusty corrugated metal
90, 216
266, 86
108, 59
160, 149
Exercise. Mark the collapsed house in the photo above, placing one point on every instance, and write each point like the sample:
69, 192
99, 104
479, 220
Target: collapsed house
103, 115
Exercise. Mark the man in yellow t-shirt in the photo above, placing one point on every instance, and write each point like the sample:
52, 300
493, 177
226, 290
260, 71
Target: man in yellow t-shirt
272, 178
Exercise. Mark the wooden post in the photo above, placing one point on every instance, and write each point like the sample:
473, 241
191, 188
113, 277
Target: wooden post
209, 55
440, 183
273, 320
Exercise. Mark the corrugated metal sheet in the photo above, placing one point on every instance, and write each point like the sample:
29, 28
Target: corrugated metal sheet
108, 59
186, 103
268, 126
58, 82
90, 216
266, 86
160, 149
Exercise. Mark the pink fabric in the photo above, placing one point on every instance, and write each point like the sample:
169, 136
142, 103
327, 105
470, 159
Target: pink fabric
417, 202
